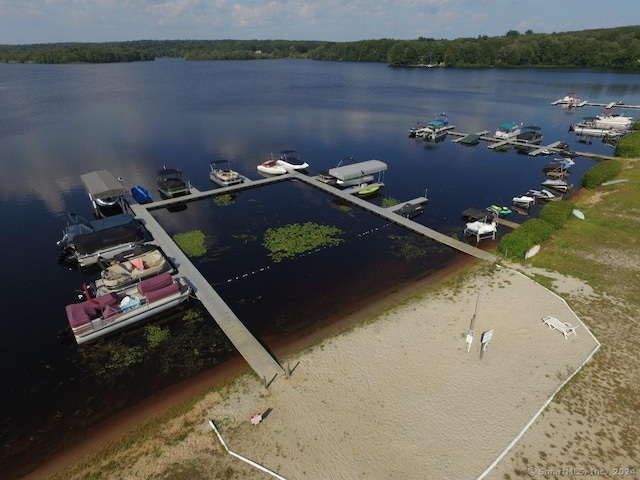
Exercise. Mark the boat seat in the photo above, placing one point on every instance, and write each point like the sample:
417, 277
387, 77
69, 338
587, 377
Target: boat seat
155, 283
155, 295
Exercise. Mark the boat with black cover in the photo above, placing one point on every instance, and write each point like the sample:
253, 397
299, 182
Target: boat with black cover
170, 183
84, 241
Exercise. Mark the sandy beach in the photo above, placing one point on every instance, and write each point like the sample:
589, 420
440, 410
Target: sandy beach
400, 396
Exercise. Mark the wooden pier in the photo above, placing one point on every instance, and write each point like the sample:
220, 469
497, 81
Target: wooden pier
258, 358
397, 219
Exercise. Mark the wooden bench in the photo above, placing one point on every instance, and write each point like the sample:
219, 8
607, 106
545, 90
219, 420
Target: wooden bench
564, 327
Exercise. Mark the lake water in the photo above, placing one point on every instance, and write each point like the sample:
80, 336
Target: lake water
60, 121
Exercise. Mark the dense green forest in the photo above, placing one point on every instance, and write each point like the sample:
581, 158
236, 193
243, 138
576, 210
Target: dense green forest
606, 48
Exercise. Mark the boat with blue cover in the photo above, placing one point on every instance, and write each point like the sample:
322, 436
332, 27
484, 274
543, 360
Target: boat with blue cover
141, 194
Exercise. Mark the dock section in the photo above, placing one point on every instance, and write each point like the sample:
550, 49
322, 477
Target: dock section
258, 358
397, 219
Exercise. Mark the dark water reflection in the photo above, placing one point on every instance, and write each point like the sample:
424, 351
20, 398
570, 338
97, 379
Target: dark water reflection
60, 121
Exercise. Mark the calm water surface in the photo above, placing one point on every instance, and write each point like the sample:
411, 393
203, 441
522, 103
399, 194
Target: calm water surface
60, 121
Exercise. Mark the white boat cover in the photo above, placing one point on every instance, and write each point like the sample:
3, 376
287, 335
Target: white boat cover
356, 170
102, 184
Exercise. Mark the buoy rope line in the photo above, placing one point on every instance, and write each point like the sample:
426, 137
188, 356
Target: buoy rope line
310, 252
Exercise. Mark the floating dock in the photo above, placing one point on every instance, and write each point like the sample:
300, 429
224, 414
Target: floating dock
586, 103
535, 149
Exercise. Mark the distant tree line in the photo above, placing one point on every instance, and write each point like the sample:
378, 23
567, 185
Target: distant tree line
607, 48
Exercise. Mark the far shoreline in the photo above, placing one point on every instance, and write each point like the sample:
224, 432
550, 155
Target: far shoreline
112, 430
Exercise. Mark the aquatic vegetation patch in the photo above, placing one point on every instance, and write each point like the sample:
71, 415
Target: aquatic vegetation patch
191, 243
407, 247
389, 202
297, 238
224, 200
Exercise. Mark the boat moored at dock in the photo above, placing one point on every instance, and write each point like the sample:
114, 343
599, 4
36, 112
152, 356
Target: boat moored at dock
170, 183
290, 159
84, 241
507, 131
99, 316
105, 192
131, 266
222, 175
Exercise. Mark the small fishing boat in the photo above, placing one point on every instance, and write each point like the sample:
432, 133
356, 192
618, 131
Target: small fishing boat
498, 210
170, 183
141, 195
367, 189
222, 174
98, 316
272, 167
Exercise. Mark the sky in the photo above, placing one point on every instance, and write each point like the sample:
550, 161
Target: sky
51, 21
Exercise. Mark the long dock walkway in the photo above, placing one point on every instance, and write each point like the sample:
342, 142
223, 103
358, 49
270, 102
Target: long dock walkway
394, 218
258, 358
535, 149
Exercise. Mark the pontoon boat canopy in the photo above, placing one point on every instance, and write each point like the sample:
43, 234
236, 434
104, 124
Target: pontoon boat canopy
102, 184
360, 169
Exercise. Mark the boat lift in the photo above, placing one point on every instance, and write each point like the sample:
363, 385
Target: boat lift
106, 192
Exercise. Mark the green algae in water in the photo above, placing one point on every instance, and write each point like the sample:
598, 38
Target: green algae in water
191, 243
298, 238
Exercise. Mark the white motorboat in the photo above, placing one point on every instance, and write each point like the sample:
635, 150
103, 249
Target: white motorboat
481, 229
556, 184
222, 174
98, 316
272, 167
543, 194
524, 201
508, 131
290, 159
608, 119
